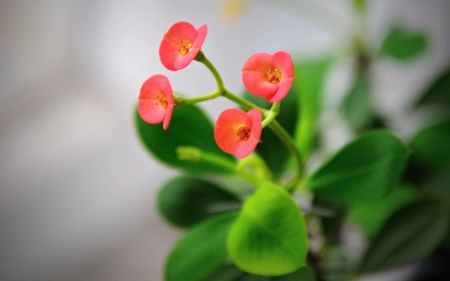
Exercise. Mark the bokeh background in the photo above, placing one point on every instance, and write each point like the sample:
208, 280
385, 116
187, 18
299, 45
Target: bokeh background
77, 188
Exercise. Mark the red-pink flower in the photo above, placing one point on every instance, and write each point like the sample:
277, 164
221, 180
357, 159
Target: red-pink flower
181, 45
155, 103
238, 132
269, 76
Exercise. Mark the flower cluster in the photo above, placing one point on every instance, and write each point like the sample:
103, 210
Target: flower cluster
236, 131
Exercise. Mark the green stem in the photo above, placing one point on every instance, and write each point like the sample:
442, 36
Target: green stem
281, 133
221, 88
194, 154
268, 121
180, 101
272, 114
203, 59
242, 102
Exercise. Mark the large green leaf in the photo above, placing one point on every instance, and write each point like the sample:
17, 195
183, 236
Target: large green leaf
411, 234
365, 170
371, 217
310, 79
185, 201
438, 185
438, 93
228, 272
305, 273
189, 127
251, 277
432, 144
402, 43
201, 251
357, 107
274, 153
231, 272
269, 237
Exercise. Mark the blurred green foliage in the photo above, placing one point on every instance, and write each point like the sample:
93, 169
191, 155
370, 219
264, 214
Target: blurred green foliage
264, 235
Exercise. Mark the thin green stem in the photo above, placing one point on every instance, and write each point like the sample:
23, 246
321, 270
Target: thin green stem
213, 159
180, 101
242, 102
269, 119
281, 133
272, 114
203, 59
194, 154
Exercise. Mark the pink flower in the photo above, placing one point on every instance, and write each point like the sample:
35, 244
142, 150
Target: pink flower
269, 76
181, 45
155, 103
238, 132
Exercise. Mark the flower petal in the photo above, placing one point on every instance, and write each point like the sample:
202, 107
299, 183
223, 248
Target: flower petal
257, 84
283, 61
181, 31
150, 111
258, 62
227, 125
179, 34
168, 116
245, 148
254, 75
201, 35
149, 108
255, 116
283, 89
259, 66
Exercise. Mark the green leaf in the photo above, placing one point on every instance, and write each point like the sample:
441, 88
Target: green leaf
438, 185
201, 251
438, 92
411, 234
432, 144
365, 170
403, 44
185, 201
269, 237
189, 127
303, 274
229, 272
357, 107
310, 79
371, 217
251, 277
274, 153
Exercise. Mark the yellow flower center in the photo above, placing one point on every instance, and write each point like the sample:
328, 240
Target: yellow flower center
162, 100
185, 47
273, 76
244, 133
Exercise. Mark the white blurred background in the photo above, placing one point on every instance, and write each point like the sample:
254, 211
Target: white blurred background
77, 188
